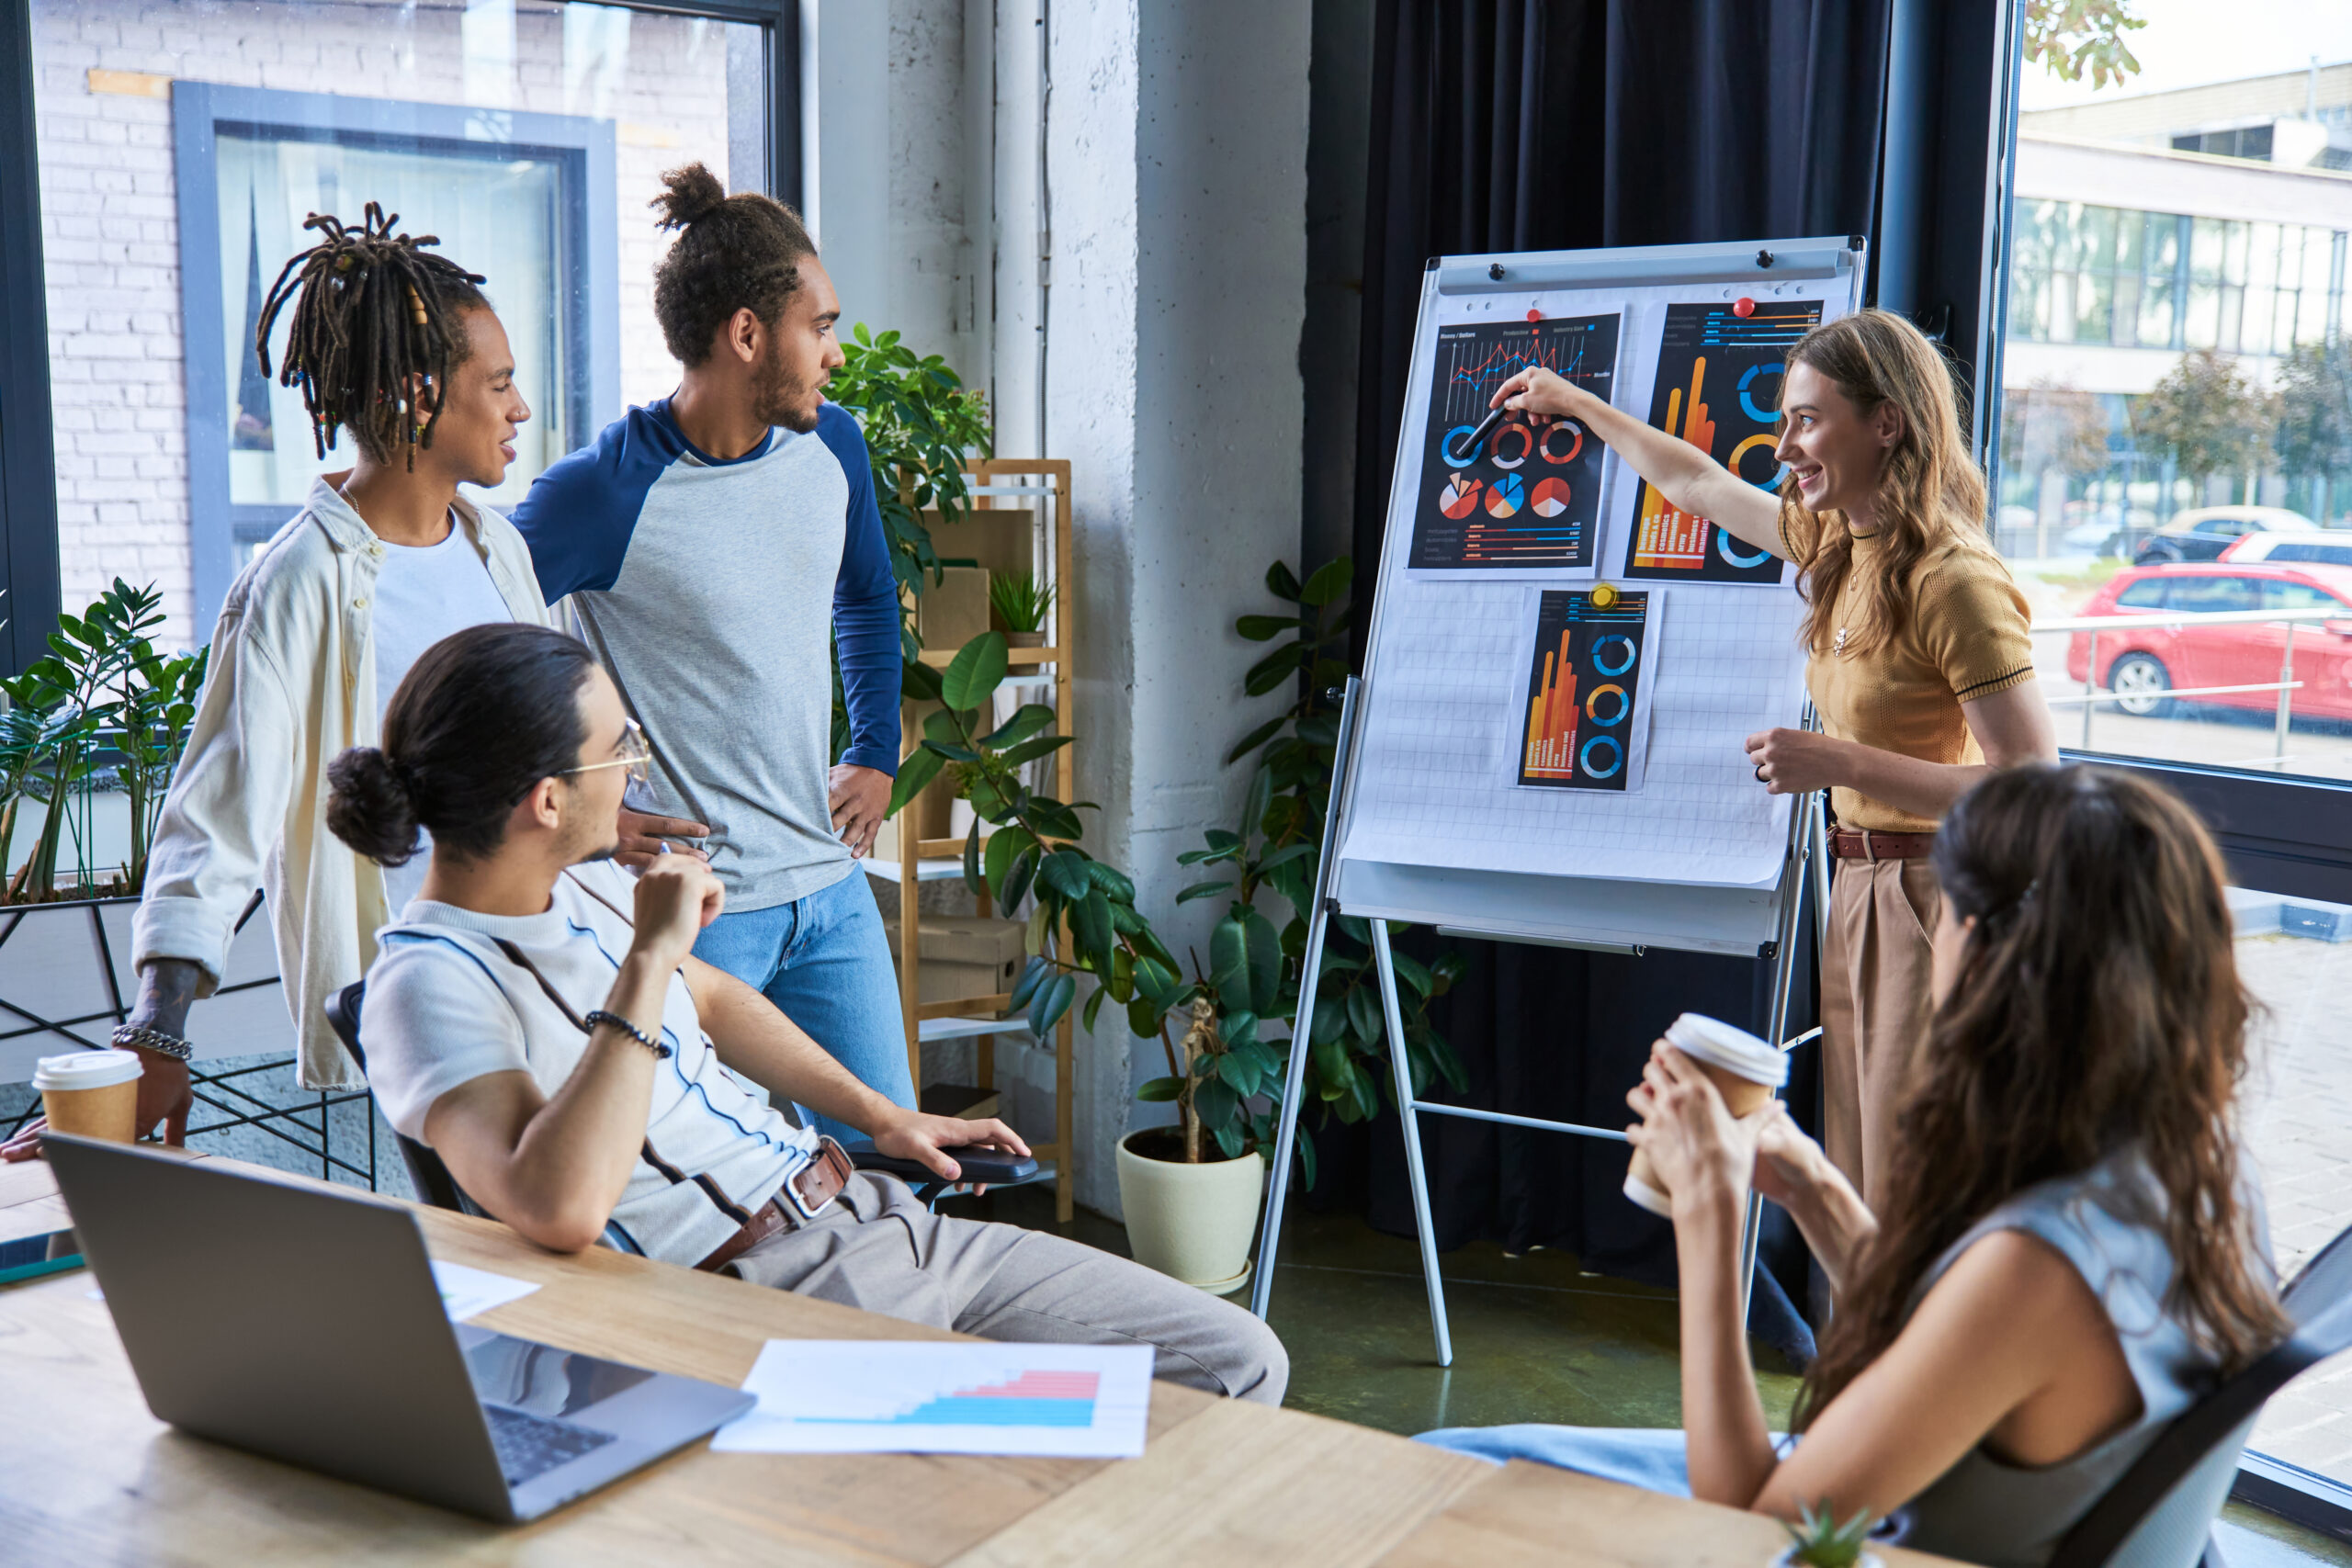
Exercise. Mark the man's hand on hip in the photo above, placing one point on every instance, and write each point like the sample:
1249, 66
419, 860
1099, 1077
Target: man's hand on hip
861, 799
642, 838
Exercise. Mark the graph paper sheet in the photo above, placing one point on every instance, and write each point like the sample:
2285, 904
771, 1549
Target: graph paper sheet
892, 1396
1435, 784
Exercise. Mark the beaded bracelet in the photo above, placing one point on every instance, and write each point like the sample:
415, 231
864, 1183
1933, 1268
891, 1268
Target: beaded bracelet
632, 1030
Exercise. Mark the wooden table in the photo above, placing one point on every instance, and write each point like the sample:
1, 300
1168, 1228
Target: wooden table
88, 1476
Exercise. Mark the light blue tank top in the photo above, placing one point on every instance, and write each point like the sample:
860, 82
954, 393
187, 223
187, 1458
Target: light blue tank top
2107, 1221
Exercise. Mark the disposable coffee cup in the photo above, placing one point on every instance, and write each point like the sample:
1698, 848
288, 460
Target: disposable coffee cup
1745, 1070
94, 1094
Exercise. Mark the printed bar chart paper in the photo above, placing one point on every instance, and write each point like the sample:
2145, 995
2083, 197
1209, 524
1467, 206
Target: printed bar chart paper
1528, 497
893, 1396
1587, 696
1718, 387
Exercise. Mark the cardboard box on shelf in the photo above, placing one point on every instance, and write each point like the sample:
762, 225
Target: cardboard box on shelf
953, 610
964, 955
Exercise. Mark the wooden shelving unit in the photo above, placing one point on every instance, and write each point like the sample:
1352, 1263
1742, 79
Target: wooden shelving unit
1003, 484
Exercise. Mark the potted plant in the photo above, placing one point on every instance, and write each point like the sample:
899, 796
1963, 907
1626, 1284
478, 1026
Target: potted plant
1022, 603
104, 714
1818, 1540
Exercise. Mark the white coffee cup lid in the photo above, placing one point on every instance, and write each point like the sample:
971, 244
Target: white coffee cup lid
86, 1069
1733, 1049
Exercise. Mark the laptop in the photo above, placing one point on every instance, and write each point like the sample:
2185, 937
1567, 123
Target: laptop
305, 1326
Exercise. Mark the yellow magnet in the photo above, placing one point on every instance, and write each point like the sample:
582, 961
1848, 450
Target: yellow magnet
1603, 596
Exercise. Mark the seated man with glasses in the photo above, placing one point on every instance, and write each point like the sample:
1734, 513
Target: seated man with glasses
539, 1020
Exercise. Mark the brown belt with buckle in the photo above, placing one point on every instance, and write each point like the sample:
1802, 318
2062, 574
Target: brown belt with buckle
816, 1184
1860, 843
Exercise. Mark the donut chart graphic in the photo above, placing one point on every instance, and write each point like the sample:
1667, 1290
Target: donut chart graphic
1550, 497
1449, 448
1506, 496
1526, 446
1544, 447
1780, 470
1459, 499
1728, 547
1748, 405
1624, 705
1601, 655
1585, 689
1616, 756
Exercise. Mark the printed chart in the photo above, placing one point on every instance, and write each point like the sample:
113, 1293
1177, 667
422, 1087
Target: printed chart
1528, 497
1718, 388
1588, 705
862, 1396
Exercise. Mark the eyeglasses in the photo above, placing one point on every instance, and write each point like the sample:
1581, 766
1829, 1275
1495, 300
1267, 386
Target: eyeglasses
635, 756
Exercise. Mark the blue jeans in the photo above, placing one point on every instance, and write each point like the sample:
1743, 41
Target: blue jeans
825, 963
1656, 1459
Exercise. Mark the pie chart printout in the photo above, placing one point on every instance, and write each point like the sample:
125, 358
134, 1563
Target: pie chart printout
1527, 497
1586, 702
1718, 388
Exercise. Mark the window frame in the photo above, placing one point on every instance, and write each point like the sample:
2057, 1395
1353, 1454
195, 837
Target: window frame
589, 322
30, 591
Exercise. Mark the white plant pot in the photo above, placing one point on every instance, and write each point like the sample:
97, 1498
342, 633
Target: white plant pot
1193, 1222
1787, 1558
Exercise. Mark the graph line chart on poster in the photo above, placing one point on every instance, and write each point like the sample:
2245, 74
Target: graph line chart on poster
1523, 497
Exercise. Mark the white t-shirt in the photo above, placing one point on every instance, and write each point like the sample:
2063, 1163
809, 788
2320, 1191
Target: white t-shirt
445, 1005
422, 594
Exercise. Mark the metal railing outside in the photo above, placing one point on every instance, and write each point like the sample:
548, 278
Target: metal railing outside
2092, 693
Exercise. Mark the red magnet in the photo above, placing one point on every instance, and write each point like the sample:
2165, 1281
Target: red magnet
1535, 315
1743, 308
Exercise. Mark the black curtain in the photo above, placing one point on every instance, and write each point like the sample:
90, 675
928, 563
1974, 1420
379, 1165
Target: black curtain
1502, 125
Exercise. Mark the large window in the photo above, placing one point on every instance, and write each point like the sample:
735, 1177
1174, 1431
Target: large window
181, 147
2175, 497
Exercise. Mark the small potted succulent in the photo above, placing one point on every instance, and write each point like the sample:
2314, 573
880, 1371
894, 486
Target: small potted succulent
1022, 603
1818, 1540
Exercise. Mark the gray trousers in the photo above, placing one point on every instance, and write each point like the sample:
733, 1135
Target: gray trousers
877, 1249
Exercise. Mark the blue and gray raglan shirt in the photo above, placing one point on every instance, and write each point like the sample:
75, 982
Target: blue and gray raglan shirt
708, 588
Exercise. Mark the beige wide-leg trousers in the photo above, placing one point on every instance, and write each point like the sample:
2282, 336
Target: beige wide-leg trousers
1874, 1007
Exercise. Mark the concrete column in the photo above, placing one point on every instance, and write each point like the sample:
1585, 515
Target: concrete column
1177, 156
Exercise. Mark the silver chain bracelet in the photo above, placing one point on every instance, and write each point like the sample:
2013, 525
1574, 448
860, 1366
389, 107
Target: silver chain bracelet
156, 1040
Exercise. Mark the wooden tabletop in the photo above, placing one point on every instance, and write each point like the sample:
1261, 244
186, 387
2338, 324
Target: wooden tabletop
87, 1475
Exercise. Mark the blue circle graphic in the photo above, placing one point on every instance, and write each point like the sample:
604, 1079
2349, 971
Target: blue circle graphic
1724, 548
1599, 643
1747, 405
1445, 447
1617, 760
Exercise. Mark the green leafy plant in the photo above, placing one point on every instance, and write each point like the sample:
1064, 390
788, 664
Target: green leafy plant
2209, 415
920, 422
1274, 847
1020, 600
2075, 38
102, 688
1818, 1540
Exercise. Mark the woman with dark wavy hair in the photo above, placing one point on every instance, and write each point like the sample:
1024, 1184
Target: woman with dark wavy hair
2069, 1252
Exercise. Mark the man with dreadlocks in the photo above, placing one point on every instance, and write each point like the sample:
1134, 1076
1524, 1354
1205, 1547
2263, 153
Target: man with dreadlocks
715, 546
397, 347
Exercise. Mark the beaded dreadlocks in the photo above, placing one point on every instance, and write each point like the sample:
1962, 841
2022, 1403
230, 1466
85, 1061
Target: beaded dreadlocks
376, 316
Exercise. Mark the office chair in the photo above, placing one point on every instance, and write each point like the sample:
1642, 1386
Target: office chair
2162, 1507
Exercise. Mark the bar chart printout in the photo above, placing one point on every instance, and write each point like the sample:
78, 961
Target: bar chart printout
1718, 388
1528, 497
864, 1396
1588, 708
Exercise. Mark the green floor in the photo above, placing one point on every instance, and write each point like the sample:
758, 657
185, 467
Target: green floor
1535, 1338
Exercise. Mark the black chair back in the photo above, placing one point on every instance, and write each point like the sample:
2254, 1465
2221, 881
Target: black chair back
432, 1179
2319, 1301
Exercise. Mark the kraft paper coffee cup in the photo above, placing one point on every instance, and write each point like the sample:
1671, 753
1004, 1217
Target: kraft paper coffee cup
94, 1094
1745, 1071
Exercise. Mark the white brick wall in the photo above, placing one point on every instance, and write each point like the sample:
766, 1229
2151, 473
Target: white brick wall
110, 230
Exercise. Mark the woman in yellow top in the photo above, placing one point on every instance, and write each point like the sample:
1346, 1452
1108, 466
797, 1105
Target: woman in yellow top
1919, 662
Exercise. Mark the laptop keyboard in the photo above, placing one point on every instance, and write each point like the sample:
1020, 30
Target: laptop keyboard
529, 1446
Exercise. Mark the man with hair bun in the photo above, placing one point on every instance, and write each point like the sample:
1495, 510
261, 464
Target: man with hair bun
715, 546
396, 347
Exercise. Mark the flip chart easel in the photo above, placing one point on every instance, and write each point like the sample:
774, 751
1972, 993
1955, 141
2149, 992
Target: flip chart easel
1744, 894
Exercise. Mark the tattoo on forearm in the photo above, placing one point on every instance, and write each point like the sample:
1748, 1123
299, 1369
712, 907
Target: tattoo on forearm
166, 987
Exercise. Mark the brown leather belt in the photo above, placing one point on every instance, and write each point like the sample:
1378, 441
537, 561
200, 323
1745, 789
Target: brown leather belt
1860, 843
816, 1185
